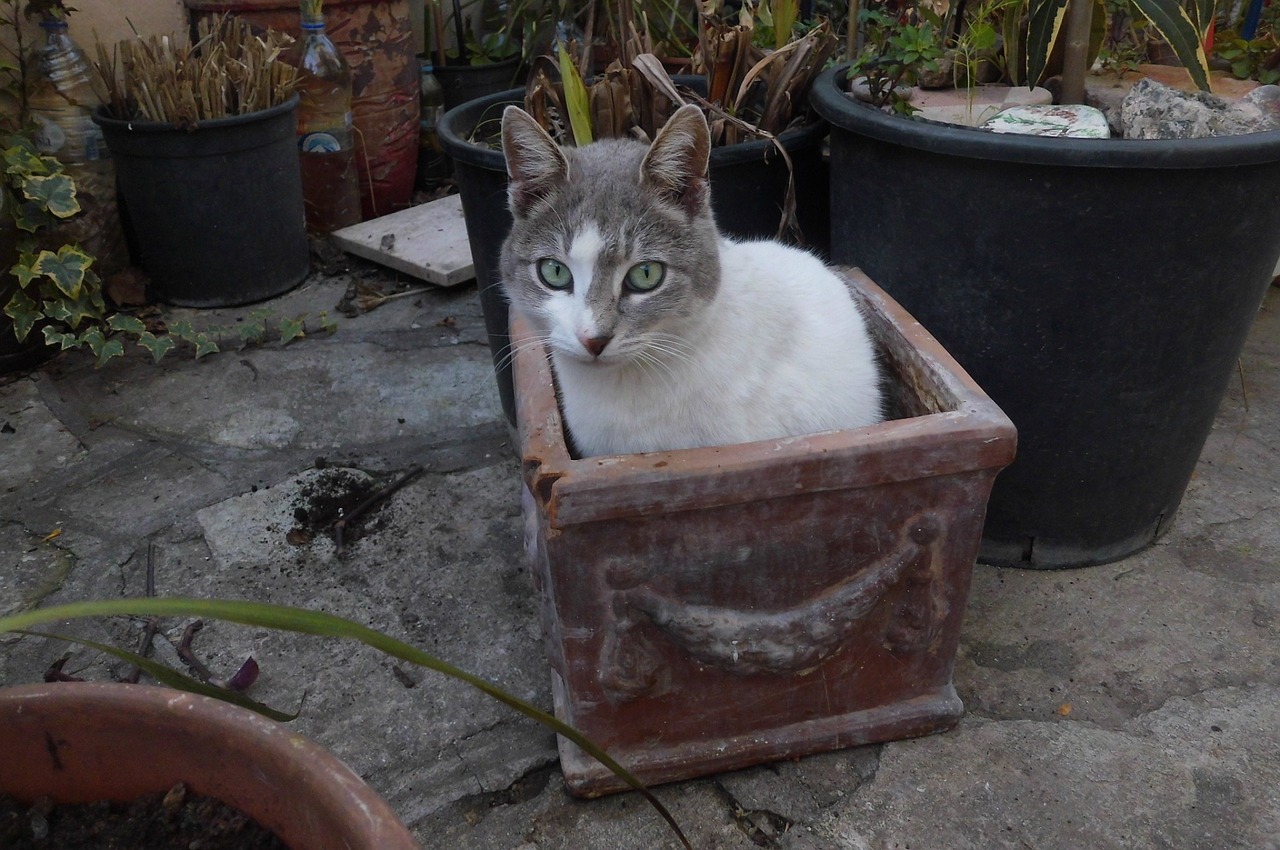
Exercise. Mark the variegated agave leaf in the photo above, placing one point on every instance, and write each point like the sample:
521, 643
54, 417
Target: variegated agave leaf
1044, 26
1184, 35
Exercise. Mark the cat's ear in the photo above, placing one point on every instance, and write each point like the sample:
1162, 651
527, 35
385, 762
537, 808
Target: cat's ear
535, 163
677, 161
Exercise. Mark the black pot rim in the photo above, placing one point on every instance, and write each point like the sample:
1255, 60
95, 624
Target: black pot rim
136, 125
449, 68
843, 112
458, 123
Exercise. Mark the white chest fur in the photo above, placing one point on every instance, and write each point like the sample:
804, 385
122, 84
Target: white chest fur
781, 351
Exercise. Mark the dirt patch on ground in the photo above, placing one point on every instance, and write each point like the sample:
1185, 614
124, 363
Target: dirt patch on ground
344, 504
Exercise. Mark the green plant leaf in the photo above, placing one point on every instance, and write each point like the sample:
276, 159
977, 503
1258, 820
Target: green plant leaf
251, 332
204, 345
576, 100
24, 273
183, 330
73, 311
66, 268
31, 216
112, 348
1202, 15
291, 329
1176, 27
128, 324
24, 312
159, 346
55, 192
300, 620
1045, 18
53, 336
784, 14
173, 678
22, 157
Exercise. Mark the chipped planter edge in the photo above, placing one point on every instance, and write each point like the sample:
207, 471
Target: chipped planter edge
81, 742
955, 432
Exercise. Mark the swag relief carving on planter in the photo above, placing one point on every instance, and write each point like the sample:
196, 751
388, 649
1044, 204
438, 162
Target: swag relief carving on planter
791, 641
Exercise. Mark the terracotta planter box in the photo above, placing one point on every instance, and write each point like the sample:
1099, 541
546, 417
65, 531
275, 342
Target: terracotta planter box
709, 609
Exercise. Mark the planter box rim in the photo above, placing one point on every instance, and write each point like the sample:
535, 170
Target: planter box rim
843, 112
973, 434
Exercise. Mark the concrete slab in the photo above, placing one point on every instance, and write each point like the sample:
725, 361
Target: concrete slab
1126, 706
32, 440
428, 241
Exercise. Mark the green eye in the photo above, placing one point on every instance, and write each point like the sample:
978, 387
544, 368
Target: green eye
643, 277
555, 274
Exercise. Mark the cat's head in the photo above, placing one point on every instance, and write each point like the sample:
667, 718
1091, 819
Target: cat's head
613, 250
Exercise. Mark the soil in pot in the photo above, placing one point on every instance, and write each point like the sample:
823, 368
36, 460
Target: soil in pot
176, 820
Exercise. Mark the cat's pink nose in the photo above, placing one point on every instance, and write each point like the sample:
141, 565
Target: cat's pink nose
595, 344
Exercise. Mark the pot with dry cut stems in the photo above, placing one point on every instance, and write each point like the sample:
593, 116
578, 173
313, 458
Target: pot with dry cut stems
216, 209
78, 742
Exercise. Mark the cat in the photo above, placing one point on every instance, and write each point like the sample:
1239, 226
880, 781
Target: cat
664, 334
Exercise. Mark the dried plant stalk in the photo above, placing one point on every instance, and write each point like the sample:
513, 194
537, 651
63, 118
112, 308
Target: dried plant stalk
230, 70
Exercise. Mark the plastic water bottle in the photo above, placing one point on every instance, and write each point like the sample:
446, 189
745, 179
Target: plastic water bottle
326, 141
433, 165
60, 100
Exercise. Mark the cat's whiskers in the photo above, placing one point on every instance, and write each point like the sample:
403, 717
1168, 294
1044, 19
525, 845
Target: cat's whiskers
527, 344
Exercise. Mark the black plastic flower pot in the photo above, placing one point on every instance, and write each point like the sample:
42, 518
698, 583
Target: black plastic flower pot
215, 212
1099, 290
748, 188
464, 83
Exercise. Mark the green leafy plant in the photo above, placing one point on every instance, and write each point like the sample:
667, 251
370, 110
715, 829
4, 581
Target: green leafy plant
1251, 59
897, 48
302, 621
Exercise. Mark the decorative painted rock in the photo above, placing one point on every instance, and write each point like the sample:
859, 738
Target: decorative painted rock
1074, 121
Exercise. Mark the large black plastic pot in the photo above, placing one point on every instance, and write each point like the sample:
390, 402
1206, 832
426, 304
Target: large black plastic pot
216, 212
748, 185
1099, 290
464, 83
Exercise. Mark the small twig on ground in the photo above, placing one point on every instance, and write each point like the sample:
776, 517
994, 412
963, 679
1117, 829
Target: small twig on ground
372, 302
188, 655
153, 625
340, 525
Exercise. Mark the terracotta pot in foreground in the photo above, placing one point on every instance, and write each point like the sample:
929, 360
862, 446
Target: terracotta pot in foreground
79, 742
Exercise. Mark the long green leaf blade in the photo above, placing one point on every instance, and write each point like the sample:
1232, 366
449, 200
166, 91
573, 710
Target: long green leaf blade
1045, 19
172, 678
576, 100
303, 621
1176, 27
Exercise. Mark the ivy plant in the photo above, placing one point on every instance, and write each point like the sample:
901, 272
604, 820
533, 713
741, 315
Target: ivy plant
58, 293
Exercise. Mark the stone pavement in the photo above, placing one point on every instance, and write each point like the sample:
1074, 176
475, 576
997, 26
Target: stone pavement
1135, 705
